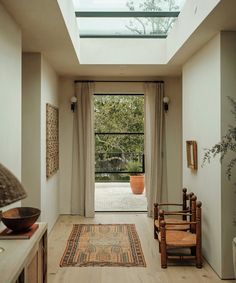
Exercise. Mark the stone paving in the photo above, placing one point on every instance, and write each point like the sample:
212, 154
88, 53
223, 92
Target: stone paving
118, 197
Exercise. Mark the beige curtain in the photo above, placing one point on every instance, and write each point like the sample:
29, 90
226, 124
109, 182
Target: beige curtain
155, 165
83, 182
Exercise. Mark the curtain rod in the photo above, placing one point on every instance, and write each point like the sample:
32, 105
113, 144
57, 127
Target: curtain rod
85, 81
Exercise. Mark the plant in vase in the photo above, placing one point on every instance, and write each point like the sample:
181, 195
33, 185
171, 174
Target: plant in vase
136, 178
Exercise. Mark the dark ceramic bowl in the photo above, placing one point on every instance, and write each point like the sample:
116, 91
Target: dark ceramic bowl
20, 218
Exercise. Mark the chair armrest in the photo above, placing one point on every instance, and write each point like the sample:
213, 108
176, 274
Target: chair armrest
180, 223
176, 213
161, 204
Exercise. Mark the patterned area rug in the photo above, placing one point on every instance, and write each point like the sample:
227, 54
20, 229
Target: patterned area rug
103, 245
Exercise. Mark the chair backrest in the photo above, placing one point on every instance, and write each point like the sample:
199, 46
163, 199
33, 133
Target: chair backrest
186, 198
195, 214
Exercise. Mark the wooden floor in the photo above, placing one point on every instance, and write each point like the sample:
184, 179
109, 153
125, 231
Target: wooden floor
151, 274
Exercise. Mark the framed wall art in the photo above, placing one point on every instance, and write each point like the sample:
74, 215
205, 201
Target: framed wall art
52, 140
191, 149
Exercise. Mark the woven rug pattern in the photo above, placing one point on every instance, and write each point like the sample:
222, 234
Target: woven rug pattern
103, 245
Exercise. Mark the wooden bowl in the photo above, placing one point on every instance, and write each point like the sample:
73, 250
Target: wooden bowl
20, 218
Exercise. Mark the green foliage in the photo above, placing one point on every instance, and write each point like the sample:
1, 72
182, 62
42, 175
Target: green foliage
134, 166
118, 114
151, 26
226, 145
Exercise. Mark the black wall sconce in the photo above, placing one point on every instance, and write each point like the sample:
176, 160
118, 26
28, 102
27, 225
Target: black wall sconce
166, 101
73, 104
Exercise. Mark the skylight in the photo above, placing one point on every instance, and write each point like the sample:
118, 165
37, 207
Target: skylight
126, 18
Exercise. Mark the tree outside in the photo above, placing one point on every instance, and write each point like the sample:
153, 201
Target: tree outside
119, 139
152, 26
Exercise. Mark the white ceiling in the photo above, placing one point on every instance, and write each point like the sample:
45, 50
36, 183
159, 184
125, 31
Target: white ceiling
44, 30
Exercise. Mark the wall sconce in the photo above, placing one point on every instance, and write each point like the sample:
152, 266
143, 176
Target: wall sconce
73, 104
166, 101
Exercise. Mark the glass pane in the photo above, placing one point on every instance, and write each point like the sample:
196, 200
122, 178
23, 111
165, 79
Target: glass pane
107, 162
116, 144
119, 113
125, 26
128, 5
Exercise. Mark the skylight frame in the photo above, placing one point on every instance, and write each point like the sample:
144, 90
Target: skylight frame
133, 23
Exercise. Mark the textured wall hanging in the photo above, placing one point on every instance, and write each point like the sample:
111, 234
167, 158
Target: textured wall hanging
52, 140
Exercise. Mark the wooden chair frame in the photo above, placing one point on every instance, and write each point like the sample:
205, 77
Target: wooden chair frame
184, 209
195, 228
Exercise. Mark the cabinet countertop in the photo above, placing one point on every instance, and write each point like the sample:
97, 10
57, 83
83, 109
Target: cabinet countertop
14, 258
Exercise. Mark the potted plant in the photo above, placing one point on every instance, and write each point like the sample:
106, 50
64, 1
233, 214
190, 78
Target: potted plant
136, 178
226, 145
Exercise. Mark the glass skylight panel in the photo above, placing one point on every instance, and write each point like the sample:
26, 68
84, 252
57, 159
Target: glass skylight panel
125, 26
128, 5
124, 18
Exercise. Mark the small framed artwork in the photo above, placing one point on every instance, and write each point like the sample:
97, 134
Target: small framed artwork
191, 148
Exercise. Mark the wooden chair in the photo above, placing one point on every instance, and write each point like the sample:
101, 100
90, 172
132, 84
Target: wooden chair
179, 240
188, 205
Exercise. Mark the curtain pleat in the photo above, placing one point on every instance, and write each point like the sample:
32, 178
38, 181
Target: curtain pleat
83, 182
154, 141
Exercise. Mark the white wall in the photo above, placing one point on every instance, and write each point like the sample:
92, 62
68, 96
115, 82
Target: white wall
49, 187
10, 94
122, 51
68, 13
173, 119
201, 122
228, 187
31, 134
40, 86
208, 77
66, 91
191, 16
173, 130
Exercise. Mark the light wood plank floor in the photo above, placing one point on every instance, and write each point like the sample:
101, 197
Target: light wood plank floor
151, 274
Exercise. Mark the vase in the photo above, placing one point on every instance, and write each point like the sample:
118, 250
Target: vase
137, 184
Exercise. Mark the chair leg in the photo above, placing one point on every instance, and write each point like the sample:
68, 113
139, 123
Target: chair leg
163, 255
198, 257
159, 247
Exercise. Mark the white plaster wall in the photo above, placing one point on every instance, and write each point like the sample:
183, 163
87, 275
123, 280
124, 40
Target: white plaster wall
228, 187
40, 86
192, 15
174, 133
68, 13
173, 123
49, 187
66, 87
201, 122
122, 51
10, 93
31, 134
10, 96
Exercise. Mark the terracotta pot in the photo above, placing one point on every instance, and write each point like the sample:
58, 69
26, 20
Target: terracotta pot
137, 184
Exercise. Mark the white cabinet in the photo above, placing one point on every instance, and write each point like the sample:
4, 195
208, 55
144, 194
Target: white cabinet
25, 261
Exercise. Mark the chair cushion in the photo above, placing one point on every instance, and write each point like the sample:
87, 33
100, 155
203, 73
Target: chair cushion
174, 227
179, 238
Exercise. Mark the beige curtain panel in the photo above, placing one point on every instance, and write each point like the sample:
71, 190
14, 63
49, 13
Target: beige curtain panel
83, 175
154, 141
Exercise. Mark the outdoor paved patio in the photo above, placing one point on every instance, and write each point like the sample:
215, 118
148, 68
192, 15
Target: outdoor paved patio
118, 197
